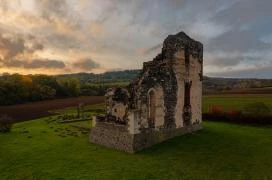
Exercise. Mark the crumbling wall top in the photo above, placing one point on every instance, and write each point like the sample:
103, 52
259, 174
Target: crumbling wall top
173, 43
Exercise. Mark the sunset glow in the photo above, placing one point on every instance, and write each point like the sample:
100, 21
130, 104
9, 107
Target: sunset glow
69, 36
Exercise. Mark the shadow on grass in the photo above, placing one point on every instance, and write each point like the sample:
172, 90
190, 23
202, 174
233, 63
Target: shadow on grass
213, 138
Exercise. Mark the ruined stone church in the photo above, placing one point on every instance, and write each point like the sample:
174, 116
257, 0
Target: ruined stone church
163, 102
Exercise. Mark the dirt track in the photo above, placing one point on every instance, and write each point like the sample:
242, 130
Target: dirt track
35, 110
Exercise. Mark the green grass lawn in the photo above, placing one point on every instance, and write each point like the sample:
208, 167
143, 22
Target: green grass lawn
235, 102
45, 149
42, 149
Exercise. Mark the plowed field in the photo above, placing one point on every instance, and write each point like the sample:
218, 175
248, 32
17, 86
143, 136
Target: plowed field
35, 110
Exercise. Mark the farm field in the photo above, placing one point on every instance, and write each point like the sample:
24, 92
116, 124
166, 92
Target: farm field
235, 101
241, 91
40, 109
44, 149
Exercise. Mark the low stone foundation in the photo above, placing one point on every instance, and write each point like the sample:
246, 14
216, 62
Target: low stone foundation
118, 137
112, 135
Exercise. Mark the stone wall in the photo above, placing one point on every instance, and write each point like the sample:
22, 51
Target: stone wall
157, 74
118, 137
195, 73
150, 138
112, 135
168, 71
196, 89
179, 68
117, 105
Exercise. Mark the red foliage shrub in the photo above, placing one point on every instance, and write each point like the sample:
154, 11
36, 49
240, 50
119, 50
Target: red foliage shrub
234, 114
216, 110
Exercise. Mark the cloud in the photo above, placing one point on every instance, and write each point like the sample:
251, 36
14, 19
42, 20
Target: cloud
235, 40
86, 64
63, 41
235, 51
113, 32
222, 59
146, 51
45, 63
242, 12
37, 46
255, 72
13, 45
219, 61
51, 8
34, 64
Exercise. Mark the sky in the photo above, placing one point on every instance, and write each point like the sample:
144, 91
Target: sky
70, 36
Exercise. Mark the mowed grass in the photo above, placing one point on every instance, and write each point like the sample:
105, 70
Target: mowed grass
45, 149
41, 150
235, 102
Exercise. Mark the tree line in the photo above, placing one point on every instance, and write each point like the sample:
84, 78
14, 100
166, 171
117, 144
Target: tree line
15, 88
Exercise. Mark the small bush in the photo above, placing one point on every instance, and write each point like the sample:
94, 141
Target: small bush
234, 114
257, 109
6, 123
216, 110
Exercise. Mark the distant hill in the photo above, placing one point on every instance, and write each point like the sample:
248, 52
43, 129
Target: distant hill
236, 85
210, 84
126, 75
